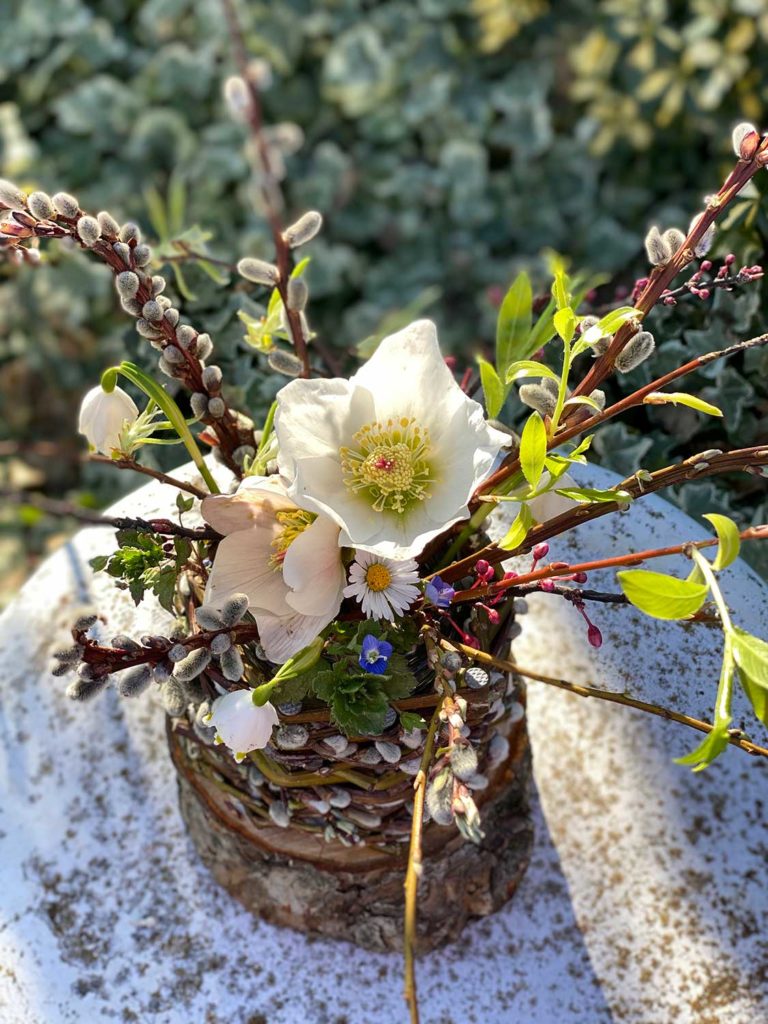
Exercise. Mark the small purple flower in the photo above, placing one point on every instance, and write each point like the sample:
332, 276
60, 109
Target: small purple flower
375, 655
439, 592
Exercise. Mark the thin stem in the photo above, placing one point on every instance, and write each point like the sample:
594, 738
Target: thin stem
64, 510
615, 698
172, 481
555, 569
413, 871
696, 467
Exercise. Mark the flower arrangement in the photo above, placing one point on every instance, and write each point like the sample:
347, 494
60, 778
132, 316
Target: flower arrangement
337, 660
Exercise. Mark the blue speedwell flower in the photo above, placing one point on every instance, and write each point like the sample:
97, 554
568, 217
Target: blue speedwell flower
439, 592
375, 655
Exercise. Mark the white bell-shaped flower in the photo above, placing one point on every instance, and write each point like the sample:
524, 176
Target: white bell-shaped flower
105, 418
240, 724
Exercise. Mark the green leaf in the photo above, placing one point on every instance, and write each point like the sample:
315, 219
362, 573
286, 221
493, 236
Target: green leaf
518, 531
710, 748
542, 331
533, 449
751, 658
514, 323
592, 494
584, 400
681, 398
612, 321
561, 283
662, 596
410, 721
493, 389
565, 324
529, 368
99, 562
730, 541
184, 504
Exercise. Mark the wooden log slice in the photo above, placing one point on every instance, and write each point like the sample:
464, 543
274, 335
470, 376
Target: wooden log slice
293, 877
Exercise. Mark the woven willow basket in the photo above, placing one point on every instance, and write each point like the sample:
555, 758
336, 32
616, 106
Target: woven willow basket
312, 832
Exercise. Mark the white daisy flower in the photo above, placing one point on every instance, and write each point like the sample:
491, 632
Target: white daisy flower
384, 588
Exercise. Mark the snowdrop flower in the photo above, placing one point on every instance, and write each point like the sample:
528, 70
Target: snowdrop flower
374, 655
286, 560
240, 724
391, 455
105, 417
383, 588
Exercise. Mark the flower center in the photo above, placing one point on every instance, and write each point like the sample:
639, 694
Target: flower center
294, 522
377, 577
389, 464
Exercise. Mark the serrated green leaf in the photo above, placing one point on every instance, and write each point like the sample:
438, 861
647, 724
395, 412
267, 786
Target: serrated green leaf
533, 449
730, 541
529, 368
99, 562
681, 398
513, 325
662, 596
493, 389
518, 531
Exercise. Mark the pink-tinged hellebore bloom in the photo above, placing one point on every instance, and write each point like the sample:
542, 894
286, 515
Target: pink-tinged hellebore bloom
105, 418
393, 454
286, 560
240, 724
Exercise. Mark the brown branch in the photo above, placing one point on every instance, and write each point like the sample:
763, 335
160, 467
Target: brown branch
661, 277
271, 195
67, 510
172, 481
696, 467
555, 569
734, 736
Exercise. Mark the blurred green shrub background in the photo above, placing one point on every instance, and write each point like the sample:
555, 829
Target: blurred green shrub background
448, 144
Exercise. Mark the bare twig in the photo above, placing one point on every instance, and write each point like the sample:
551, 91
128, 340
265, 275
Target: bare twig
697, 467
172, 481
734, 736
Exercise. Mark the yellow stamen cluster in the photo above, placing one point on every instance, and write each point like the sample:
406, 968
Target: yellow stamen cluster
294, 522
378, 577
389, 464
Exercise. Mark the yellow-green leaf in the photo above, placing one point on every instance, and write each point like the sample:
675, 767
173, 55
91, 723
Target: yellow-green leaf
514, 323
730, 541
565, 324
662, 596
681, 398
493, 389
533, 449
529, 368
518, 531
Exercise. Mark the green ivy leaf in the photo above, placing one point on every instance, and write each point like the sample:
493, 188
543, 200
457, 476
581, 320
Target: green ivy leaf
493, 389
662, 596
513, 326
533, 449
730, 541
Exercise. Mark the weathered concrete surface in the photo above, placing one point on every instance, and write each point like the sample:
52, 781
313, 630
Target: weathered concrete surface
645, 901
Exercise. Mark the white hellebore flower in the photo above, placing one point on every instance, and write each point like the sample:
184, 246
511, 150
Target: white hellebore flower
105, 418
393, 454
286, 560
383, 588
240, 724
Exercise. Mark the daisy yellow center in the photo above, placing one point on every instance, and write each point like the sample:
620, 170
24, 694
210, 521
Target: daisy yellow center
293, 522
389, 464
377, 577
